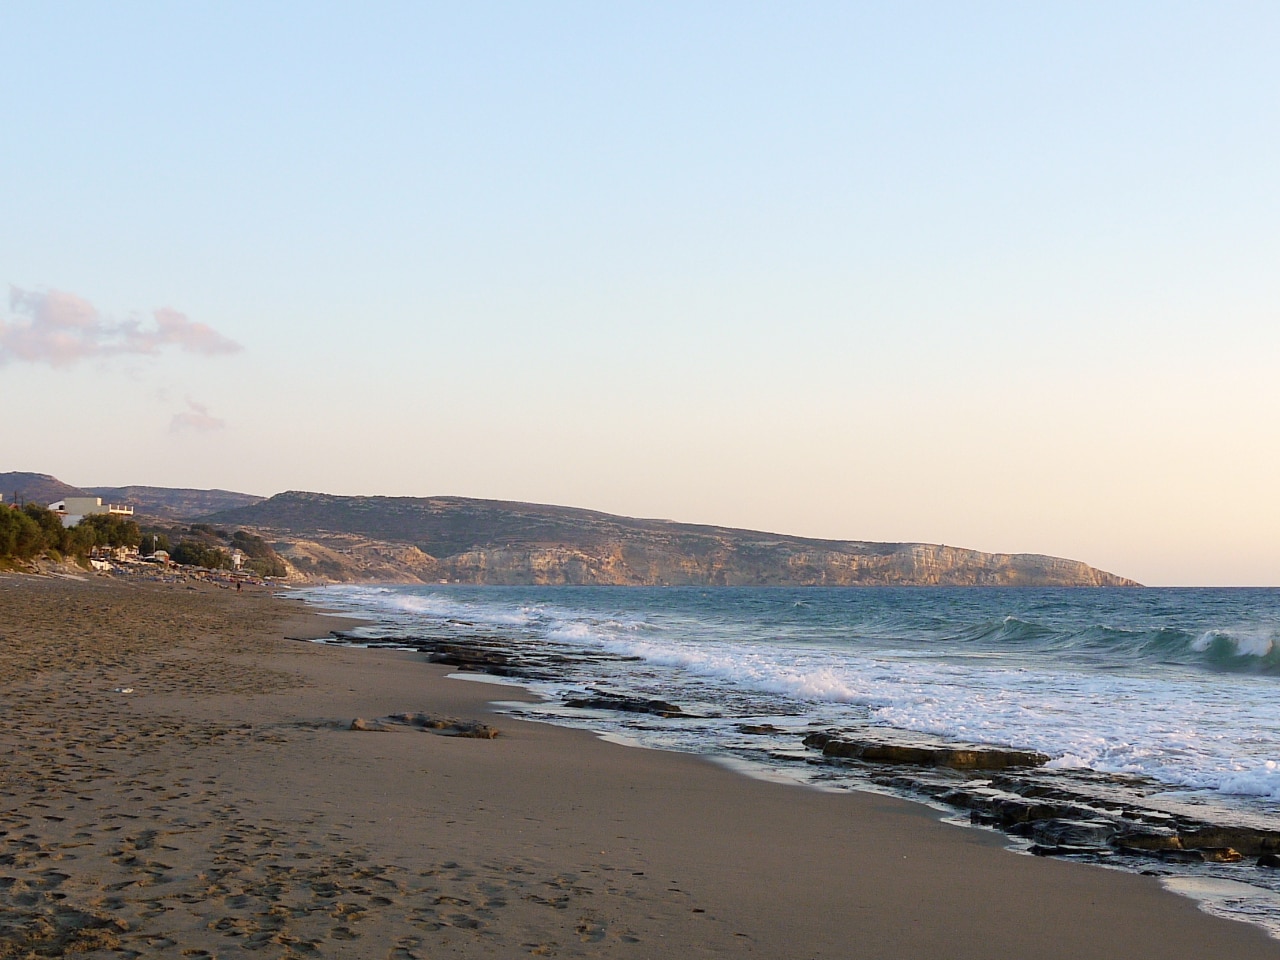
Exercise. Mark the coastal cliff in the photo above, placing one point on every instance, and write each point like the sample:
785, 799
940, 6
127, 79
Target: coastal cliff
498, 542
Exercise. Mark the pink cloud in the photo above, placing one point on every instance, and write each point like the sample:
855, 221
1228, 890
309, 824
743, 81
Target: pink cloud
196, 417
61, 329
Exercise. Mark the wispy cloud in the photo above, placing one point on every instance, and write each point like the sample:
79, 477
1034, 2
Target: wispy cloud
196, 417
61, 329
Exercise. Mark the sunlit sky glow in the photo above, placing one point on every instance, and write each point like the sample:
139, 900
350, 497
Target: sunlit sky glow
1004, 276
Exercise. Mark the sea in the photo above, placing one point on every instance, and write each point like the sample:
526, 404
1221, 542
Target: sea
1166, 698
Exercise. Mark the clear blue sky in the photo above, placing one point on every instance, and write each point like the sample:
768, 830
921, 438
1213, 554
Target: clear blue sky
1004, 276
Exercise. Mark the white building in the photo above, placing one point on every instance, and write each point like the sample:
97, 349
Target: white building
74, 509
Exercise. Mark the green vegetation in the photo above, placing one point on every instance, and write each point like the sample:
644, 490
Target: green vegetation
35, 531
195, 553
321, 568
153, 540
203, 545
263, 561
110, 530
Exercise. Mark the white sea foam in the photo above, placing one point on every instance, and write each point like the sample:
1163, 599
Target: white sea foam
1253, 643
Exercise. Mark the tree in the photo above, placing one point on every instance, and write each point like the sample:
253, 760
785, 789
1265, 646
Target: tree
153, 540
20, 536
263, 561
53, 533
110, 530
196, 554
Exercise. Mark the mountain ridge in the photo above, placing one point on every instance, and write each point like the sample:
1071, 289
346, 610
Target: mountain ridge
174, 503
469, 540
164, 503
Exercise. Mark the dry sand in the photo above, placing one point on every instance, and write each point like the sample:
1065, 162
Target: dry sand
225, 806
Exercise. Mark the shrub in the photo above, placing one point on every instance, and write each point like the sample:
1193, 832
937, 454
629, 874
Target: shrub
20, 535
196, 554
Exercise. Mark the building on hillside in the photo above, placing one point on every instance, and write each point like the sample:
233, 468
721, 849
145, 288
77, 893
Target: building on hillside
119, 554
74, 509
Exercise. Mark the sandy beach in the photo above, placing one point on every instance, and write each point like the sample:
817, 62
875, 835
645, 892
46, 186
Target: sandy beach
179, 778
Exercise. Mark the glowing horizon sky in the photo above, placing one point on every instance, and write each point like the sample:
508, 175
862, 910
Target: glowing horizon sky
987, 275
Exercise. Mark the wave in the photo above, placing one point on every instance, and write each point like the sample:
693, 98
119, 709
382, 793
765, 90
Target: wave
1051, 634
1245, 649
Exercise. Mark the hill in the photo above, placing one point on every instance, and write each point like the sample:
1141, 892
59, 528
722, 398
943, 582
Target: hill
501, 542
165, 503
174, 503
39, 488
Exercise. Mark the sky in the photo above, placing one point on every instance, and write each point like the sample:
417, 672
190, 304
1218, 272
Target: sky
997, 275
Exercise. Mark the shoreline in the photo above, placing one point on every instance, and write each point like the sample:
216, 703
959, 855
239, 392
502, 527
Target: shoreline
1125, 820
225, 804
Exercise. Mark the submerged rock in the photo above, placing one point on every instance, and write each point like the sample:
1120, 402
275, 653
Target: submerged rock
759, 729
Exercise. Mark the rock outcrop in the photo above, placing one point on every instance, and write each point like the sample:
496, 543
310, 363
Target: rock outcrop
886, 747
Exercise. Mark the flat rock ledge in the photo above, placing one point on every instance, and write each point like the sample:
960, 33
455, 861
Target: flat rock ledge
604, 700
1064, 822
446, 726
922, 753
495, 655
1060, 813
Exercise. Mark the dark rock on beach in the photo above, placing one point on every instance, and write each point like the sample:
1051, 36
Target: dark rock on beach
362, 725
1248, 841
1071, 813
603, 700
1148, 840
919, 752
469, 657
1220, 855
1078, 834
447, 726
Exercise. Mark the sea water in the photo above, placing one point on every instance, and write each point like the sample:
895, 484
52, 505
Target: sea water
1181, 686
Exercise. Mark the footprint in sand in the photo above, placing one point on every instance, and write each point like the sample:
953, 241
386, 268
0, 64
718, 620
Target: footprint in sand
590, 931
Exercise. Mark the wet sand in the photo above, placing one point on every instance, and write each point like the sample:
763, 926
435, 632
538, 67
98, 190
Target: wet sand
224, 807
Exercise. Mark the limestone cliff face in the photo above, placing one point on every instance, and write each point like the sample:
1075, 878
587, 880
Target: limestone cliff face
496, 542
345, 559
910, 565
